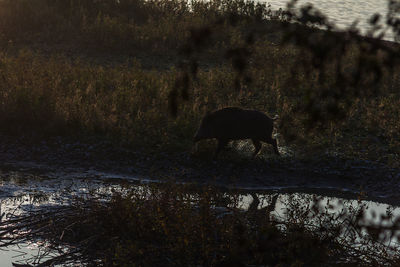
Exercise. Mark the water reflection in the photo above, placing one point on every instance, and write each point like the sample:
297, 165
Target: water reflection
285, 206
335, 211
20, 254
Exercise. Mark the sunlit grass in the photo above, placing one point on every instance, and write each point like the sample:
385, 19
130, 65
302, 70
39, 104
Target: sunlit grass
44, 91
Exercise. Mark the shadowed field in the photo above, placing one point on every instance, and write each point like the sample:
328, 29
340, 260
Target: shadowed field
116, 89
84, 69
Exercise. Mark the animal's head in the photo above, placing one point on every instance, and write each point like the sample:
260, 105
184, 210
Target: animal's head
205, 130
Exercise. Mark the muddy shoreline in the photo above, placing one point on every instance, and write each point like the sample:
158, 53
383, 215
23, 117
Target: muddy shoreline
59, 160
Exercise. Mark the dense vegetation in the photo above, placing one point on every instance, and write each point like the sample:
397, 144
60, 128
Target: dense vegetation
143, 73
173, 225
108, 68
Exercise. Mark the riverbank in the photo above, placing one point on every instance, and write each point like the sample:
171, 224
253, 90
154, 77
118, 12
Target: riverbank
101, 161
113, 92
103, 71
95, 90
91, 219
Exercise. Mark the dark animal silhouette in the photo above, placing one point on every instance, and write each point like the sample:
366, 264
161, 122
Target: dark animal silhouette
235, 124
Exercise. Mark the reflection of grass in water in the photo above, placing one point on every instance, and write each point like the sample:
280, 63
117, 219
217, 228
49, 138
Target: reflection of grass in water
165, 224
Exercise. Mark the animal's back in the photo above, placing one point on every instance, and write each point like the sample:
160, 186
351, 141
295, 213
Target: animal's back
237, 123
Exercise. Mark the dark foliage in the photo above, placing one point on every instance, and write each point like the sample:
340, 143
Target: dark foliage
173, 225
324, 52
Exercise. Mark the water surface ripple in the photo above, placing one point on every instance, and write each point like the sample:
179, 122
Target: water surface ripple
344, 12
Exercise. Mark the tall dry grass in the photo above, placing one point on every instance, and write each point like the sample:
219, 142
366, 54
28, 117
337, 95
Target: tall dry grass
49, 93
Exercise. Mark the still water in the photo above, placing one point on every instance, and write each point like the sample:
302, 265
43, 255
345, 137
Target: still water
31, 196
344, 12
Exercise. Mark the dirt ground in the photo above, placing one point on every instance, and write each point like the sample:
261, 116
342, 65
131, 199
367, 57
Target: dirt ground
59, 159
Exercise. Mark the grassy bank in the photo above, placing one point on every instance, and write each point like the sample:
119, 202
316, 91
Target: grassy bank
118, 69
127, 26
107, 68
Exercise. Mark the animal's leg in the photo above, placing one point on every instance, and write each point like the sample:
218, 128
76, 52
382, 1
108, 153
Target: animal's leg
195, 148
273, 142
257, 146
221, 144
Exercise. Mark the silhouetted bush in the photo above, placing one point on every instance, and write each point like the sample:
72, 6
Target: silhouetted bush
174, 225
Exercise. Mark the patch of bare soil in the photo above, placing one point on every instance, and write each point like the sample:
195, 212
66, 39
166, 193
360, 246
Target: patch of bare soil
335, 176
